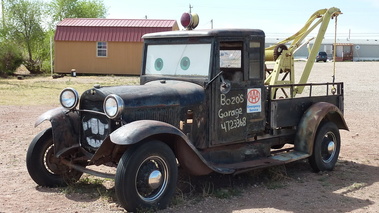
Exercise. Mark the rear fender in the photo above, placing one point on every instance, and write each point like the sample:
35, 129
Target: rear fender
138, 131
65, 128
310, 121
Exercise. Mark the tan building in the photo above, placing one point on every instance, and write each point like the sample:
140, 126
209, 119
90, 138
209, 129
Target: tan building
103, 46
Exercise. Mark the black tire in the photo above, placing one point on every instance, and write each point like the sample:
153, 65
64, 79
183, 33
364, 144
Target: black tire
326, 148
43, 167
146, 177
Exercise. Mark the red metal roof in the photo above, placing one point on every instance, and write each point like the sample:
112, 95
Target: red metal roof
120, 30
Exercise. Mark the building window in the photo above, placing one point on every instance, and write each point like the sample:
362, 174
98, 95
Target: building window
102, 49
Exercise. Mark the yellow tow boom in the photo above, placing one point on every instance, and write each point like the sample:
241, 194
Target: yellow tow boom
283, 55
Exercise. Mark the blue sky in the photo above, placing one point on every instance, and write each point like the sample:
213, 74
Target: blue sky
278, 18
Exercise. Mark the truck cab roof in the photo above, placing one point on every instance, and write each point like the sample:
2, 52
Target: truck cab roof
206, 33
198, 55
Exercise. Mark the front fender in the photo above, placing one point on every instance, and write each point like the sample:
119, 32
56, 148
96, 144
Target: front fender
310, 121
188, 156
137, 131
65, 128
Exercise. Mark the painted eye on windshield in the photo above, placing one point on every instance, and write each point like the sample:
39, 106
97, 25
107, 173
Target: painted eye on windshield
158, 64
185, 63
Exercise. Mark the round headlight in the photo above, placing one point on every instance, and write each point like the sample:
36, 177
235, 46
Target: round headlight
69, 98
113, 106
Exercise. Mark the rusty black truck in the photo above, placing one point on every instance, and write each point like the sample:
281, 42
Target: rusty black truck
203, 104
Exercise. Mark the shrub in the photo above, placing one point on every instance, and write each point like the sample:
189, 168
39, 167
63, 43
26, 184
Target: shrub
10, 58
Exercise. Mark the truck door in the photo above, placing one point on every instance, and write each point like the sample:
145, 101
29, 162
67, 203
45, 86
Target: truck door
237, 106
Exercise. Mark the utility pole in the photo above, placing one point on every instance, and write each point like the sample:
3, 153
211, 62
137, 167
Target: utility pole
211, 23
51, 56
190, 7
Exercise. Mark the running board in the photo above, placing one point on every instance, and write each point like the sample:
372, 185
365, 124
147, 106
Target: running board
290, 156
278, 159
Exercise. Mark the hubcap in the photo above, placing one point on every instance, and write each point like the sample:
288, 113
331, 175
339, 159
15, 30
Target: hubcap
329, 147
155, 179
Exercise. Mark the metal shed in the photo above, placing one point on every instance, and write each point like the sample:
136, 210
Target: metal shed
103, 46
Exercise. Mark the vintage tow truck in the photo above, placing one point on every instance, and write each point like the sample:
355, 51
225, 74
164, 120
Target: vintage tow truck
208, 102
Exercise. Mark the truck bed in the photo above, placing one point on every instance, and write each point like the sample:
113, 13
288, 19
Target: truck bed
287, 111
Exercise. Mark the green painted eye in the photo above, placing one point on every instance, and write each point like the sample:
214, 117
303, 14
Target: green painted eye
158, 64
185, 63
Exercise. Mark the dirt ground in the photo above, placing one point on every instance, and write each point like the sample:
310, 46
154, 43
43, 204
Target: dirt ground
352, 187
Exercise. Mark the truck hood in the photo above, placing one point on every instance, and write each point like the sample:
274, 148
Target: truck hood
155, 93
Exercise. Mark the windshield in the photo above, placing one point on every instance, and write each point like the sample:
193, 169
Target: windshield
178, 59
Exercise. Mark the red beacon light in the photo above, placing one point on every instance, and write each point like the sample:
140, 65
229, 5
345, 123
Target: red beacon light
189, 20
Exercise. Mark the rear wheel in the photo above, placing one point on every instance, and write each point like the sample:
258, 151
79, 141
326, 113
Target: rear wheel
43, 167
146, 176
326, 147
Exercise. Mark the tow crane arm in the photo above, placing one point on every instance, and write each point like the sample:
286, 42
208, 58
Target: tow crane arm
283, 55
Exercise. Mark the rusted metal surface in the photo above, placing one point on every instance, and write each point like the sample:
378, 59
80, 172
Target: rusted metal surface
192, 161
309, 123
50, 114
104, 153
65, 128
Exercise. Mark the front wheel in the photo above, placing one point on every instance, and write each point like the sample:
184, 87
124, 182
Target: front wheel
43, 167
146, 176
326, 147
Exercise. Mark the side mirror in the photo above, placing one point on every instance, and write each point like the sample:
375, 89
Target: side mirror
225, 85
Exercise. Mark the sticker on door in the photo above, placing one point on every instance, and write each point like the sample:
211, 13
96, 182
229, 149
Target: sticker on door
254, 100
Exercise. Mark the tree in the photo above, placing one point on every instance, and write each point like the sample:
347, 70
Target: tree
24, 25
61, 9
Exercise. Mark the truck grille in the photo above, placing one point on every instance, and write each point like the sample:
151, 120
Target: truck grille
95, 128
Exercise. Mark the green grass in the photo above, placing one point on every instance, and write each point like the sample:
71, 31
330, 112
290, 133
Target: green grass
44, 90
355, 187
